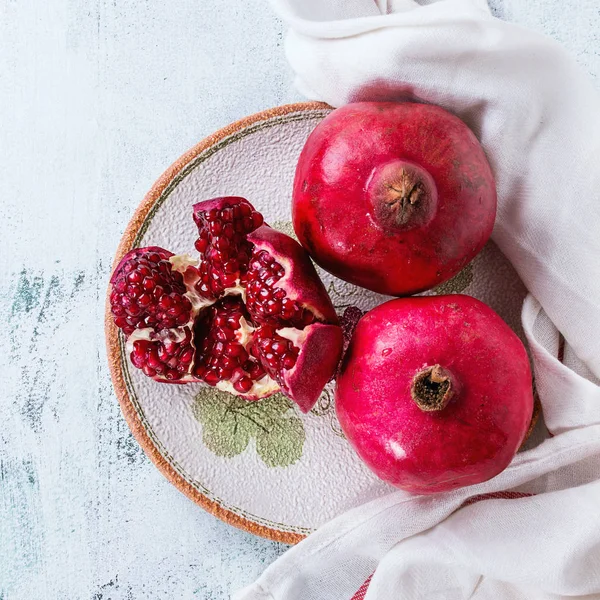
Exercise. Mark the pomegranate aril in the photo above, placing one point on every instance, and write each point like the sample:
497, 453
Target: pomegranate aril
187, 356
228, 362
135, 277
256, 371
243, 385
273, 307
288, 362
279, 347
265, 344
233, 349
201, 245
233, 321
224, 373
231, 266
222, 243
144, 300
228, 279
244, 209
117, 309
211, 378
223, 335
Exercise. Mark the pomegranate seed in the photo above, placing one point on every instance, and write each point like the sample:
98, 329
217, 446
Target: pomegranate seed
201, 245
228, 362
144, 300
117, 310
288, 362
228, 231
243, 385
186, 356
279, 347
233, 349
135, 277
222, 243
225, 373
120, 285
211, 378
233, 321
257, 220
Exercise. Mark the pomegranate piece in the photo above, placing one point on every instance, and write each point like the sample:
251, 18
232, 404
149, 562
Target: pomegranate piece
435, 393
147, 292
149, 303
223, 228
250, 317
394, 197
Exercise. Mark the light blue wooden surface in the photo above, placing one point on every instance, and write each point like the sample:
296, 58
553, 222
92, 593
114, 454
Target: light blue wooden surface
97, 98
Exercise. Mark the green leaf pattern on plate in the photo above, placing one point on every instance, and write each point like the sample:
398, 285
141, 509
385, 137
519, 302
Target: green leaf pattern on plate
229, 423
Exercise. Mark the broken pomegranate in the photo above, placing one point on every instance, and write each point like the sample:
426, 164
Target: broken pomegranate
435, 393
250, 317
394, 197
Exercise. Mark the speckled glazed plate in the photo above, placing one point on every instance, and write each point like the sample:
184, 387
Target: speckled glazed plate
262, 466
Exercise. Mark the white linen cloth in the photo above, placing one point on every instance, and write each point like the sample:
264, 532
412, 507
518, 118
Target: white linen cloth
538, 118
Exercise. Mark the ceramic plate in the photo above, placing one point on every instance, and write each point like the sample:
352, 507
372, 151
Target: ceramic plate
263, 466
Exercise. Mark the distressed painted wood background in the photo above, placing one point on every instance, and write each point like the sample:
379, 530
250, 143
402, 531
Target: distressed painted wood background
97, 97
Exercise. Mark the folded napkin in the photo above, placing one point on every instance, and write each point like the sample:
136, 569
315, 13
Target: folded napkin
534, 530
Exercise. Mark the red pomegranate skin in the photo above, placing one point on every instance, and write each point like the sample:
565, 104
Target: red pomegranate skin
393, 197
470, 440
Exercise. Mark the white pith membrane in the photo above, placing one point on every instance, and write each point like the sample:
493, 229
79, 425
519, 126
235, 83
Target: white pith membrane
244, 335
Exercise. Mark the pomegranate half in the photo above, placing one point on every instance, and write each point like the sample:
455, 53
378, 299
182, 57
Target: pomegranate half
393, 197
250, 317
435, 393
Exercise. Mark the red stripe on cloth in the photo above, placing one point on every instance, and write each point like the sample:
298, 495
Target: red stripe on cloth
362, 592
360, 595
495, 495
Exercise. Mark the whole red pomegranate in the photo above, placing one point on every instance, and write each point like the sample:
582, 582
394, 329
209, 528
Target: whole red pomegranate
435, 393
250, 317
394, 197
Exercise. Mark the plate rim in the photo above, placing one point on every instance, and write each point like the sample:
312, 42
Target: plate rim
126, 243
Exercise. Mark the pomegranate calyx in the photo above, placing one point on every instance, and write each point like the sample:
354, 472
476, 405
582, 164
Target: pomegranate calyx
432, 388
403, 195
